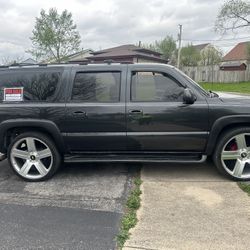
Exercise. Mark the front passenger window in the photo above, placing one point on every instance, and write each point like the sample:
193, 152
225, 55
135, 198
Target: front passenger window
155, 87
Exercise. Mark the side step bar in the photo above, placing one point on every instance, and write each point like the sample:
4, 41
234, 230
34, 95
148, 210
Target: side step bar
133, 158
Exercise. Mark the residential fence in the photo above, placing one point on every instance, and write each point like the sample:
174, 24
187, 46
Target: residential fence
214, 74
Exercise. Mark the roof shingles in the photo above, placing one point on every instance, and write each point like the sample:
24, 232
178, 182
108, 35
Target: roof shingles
128, 50
238, 53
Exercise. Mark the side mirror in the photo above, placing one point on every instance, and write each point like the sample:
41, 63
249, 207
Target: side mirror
188, 96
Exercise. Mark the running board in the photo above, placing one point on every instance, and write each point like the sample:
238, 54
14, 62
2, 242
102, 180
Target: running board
136, 158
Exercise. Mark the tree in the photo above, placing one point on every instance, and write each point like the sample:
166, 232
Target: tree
7, 60
210, 56
166, 47
189, 56
234, 14
54, 36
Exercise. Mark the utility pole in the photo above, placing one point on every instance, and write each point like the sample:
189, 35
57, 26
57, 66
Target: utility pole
179, 49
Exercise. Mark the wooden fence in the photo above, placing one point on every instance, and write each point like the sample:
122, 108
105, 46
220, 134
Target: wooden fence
214, 74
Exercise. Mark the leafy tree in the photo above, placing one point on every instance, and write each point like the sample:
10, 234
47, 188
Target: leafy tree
189, 56
7, 60
234, 14
166, 46
55, 36
210, 56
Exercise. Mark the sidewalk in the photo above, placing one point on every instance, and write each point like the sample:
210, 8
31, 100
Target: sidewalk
190, 207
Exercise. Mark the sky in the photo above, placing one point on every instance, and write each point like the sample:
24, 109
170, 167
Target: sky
107, 23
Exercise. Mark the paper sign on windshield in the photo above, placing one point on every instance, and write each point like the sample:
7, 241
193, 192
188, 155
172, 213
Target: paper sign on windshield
13, 94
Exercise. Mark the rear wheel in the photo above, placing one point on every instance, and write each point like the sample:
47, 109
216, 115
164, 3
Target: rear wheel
34, 156
232, 154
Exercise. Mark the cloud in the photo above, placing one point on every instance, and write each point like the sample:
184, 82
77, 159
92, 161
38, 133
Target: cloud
110, 22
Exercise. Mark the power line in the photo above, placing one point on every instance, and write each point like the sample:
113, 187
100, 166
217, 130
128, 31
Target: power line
215, 40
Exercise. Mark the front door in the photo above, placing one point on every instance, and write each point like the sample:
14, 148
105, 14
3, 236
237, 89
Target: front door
157, 119
95, 110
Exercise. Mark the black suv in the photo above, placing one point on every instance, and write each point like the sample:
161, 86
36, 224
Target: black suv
117, 113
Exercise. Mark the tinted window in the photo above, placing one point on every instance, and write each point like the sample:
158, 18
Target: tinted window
153, 86
38, 86
96, 87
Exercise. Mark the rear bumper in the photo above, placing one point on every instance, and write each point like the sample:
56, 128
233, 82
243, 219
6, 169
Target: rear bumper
2, 156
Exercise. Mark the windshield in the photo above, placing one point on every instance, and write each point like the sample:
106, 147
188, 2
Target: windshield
195, 84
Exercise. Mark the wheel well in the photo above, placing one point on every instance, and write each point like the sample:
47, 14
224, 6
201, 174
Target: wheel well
12, 133
227, 128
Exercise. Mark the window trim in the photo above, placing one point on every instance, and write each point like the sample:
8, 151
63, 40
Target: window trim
152, 71
94, 72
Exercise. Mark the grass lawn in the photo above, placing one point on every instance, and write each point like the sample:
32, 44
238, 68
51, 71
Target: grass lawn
245, 187
243, 87
129, 219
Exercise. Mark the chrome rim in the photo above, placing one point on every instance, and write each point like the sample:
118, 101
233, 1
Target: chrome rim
235, 156
31, 158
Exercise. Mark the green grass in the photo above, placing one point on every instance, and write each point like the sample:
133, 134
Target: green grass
245, 187
129, 219
242, 87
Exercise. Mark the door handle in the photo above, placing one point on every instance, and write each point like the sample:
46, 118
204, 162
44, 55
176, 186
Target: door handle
135, 111
79, 113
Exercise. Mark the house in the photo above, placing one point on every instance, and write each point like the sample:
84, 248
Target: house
207, 61
201, 47
237, 58
28, 61
80, 56
127, 53
77, 57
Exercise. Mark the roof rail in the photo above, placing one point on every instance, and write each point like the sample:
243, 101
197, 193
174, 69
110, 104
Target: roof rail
109, 61
126, 62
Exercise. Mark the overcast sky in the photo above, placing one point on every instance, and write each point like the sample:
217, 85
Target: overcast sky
106, 23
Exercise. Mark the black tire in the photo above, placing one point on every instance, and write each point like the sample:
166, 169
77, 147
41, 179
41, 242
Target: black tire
221, 143
56, 157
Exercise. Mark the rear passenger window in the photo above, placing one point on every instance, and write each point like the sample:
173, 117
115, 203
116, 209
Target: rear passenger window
96, 87
155, 87
37, 86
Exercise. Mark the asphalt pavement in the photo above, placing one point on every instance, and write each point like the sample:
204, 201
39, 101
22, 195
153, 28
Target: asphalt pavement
79, 208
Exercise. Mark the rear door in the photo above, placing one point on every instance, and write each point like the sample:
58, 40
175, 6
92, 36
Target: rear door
43, 94
157, 119
95, 109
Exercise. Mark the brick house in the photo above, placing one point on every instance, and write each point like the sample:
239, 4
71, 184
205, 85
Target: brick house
237, 58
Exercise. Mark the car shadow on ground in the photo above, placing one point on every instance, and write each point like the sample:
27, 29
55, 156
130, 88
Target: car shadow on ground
172, 172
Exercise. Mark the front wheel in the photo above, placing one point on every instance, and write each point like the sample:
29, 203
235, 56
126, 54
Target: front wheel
232, 154
34, 156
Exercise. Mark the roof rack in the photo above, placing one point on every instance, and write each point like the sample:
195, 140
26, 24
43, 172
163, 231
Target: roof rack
109, 61
126, 62
20, 65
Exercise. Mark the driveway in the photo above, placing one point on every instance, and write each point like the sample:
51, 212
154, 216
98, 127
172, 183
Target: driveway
80, 208
190, 207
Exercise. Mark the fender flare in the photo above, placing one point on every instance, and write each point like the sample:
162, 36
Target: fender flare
46, 125
222, 123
